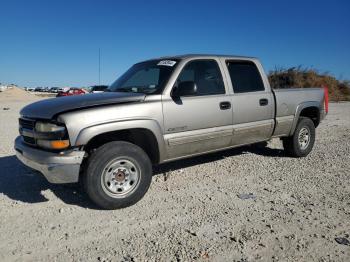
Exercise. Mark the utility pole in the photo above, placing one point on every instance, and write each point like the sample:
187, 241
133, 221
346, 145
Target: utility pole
99, 66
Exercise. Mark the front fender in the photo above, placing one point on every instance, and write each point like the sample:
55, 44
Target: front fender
86, 134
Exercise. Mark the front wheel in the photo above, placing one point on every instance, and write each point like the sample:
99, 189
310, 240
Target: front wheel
118, 174
303, 139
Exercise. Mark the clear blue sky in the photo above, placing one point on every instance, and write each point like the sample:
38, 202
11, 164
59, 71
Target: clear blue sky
55, 43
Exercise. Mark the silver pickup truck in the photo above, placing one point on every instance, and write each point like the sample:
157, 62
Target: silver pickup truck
162, 110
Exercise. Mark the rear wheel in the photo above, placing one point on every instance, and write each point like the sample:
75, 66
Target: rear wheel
303, 139
118, 174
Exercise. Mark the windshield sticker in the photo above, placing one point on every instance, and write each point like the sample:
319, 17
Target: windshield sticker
167, 63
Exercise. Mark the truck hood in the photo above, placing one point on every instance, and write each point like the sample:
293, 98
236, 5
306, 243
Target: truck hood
48, 108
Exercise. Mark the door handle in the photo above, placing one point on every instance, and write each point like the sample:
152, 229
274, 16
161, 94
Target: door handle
225, 105
264, 102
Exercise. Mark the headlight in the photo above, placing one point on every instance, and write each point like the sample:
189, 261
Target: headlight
48, 127
51, 136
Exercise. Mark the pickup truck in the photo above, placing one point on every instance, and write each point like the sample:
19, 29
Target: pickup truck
162, 110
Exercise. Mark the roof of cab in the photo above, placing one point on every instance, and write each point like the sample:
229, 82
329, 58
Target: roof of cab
200, 56
205, 55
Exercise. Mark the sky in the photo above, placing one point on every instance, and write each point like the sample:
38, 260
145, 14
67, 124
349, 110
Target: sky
56, 43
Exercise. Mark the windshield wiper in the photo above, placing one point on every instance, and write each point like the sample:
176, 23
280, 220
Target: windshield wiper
123, 89
138, 89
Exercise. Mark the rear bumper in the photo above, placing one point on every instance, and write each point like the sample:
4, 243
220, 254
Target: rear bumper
58, 168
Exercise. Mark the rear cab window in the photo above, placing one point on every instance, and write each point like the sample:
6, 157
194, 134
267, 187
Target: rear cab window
245, 76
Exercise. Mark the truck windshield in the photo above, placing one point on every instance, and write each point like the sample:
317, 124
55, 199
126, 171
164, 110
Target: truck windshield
147, 77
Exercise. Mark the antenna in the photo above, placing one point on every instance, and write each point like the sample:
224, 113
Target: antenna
99, 66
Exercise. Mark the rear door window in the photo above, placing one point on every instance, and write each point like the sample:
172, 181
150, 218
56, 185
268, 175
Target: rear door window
245, 76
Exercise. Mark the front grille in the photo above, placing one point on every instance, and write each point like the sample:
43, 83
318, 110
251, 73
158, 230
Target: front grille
26, 129
29, 140
27, 123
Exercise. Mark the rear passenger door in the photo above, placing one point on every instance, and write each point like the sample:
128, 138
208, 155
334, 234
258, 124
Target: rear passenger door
252, 102
200, 122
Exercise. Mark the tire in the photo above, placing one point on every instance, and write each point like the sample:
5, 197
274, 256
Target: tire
303, 139
118, 174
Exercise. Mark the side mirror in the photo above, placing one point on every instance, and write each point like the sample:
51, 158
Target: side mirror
186, 88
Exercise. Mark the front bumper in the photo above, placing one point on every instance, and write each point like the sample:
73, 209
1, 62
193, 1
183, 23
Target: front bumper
58, 168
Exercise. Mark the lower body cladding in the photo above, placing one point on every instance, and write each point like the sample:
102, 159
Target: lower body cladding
194, 142
58, 168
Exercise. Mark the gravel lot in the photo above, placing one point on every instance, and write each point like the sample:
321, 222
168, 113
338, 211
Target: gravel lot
192, 211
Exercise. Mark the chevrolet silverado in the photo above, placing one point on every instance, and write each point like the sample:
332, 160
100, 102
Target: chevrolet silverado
162, 110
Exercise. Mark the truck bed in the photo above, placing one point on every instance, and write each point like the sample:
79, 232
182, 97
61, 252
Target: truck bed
289, 104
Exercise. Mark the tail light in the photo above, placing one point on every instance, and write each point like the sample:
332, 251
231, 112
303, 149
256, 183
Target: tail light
325, 88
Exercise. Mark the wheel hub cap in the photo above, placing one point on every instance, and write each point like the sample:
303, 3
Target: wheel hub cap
304, 138
120, 177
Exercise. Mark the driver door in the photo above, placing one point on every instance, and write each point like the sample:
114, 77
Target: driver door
199, 122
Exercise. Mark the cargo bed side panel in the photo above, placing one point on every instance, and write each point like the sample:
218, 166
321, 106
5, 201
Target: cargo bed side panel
290, 102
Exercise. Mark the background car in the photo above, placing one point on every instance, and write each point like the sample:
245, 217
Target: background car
98, 89
72, 92
63, 89
39, 89
54, 89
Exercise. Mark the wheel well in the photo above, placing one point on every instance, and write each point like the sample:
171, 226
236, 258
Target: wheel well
141, 137
313, 113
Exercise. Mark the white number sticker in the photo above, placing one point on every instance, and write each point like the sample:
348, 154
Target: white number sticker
167, 63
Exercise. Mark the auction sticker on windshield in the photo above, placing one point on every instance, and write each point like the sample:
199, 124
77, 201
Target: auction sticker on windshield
167, 63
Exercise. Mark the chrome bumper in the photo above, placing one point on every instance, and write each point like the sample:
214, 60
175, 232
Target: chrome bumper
57, 168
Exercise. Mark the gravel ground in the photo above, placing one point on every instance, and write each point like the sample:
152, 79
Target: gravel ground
297, 211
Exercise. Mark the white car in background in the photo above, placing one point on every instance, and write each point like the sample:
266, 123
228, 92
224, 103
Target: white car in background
63, 89
98, 89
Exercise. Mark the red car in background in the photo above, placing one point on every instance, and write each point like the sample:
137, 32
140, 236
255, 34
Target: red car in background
72, 92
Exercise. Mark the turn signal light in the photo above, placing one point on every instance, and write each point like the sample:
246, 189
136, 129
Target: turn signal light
59, 144
53, 144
